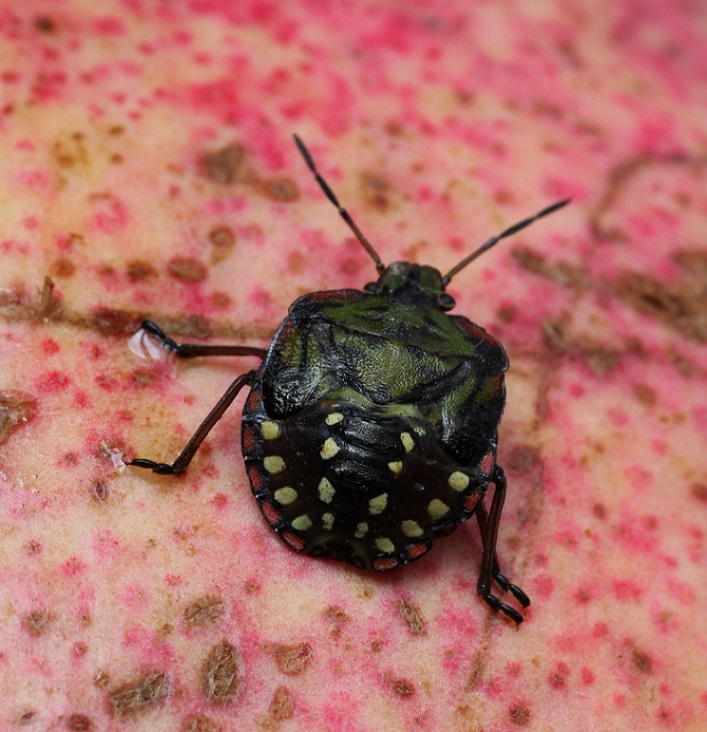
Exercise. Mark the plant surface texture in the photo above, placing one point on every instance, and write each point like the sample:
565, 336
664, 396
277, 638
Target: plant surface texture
147, 169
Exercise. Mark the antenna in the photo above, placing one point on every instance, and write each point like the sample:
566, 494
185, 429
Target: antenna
380, 267
495, 239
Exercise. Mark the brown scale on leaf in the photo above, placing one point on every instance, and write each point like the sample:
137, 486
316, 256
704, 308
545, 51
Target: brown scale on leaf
138, 270
187, 269
410, 613
200, 723
280, 189
79, 723
400, 686
282, 707
204, 610
293, 660
36, 622
520, 716
16, 410
223, 165
139, 695
221, 675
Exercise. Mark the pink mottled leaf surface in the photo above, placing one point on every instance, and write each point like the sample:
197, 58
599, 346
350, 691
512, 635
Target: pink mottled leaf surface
148, 169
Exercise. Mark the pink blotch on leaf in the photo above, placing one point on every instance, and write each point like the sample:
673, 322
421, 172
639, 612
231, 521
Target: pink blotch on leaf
587, 676
50, 347
626, 590
558, 678
73, 567
52, 382
544, 586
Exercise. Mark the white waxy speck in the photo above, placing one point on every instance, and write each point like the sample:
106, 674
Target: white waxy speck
144, 346
396, 467
327, 520
361, 530
334, 418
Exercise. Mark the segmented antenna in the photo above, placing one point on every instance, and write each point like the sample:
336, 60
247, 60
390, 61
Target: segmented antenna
380, 267
494, 239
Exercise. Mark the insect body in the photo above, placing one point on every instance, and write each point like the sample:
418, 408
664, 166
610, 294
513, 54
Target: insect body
371, 425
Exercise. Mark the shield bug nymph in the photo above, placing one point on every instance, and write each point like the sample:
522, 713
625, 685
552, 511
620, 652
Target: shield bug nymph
371, 425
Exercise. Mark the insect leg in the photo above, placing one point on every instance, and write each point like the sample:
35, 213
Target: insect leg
185, 457
490, 569
192, 350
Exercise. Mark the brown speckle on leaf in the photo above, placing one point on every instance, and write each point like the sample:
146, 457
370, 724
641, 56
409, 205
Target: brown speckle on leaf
221, 166
338, 617
280, 189
138, 270
682, 306
187, 269
376, 191
200, 723
115, 322
520, 716
223, 241
641, 661
36, 622
400, 686
16, 410
699, 491
282, 705
410, 613
204, 611
221, 676
644, 394
294, 659
62, 268
79, 723
44, 24
139, 695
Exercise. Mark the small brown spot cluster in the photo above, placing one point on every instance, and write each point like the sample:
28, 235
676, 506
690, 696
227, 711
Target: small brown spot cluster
204, 611
223, 240
222, 166
139, 695
293, 660
410, 613
16, 409
221, 675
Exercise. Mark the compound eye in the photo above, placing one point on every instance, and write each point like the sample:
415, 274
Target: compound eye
371, 287
446, 301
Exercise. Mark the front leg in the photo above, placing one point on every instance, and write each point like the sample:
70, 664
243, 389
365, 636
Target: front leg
490, 569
